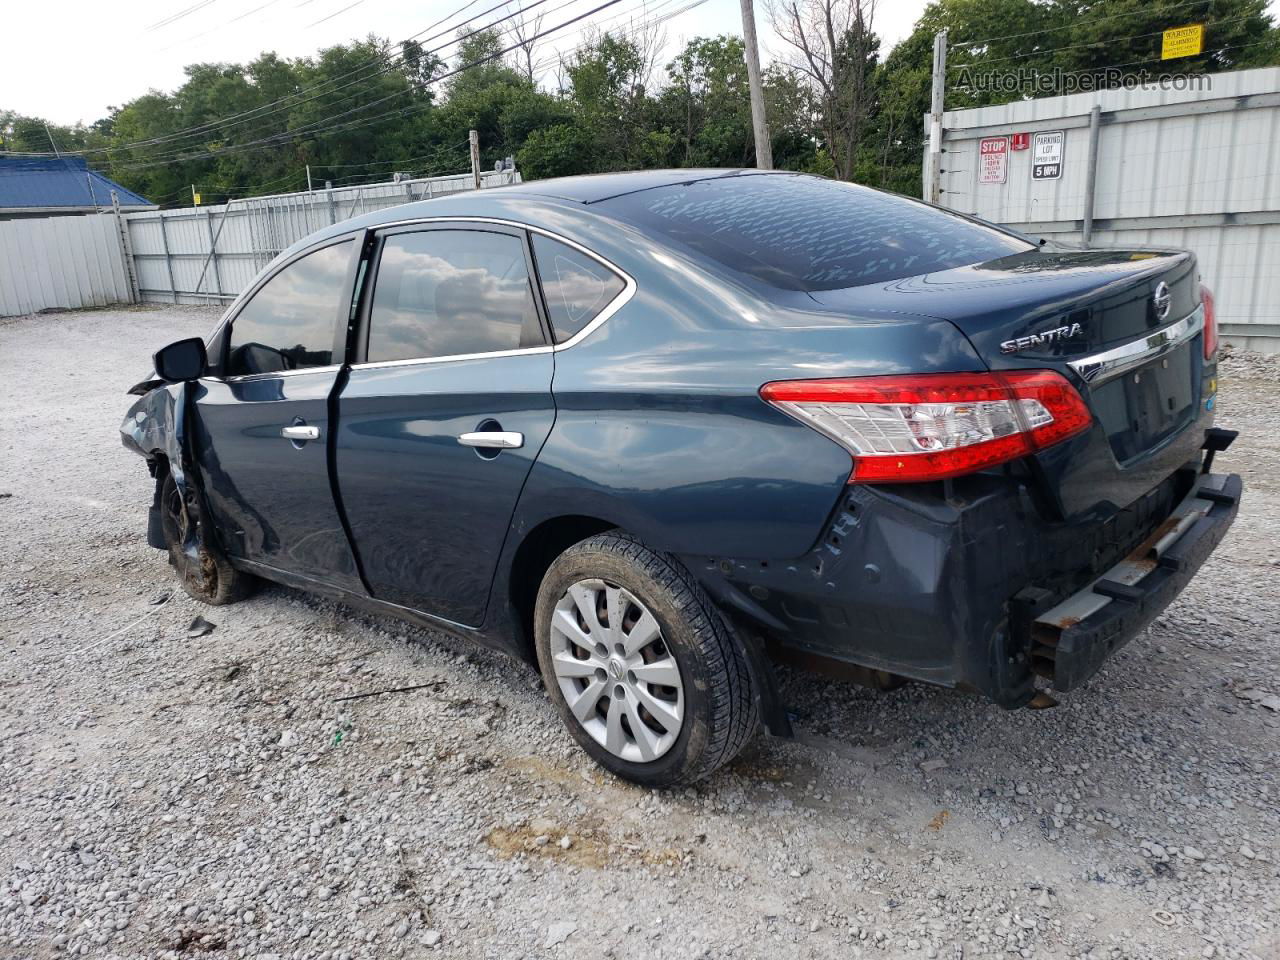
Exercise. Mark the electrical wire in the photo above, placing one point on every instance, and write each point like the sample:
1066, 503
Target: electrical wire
320, 126
630, 30
1045, 51
1086, 21
336, 13
178, 152
218, 26
292, 99
174, 18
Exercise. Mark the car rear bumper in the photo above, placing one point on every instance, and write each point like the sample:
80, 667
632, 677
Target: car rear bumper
1072, 640
946, 585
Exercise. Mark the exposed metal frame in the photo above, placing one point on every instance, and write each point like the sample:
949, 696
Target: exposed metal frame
1104, 366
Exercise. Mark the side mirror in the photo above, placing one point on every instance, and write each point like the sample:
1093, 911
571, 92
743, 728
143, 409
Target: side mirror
181, 361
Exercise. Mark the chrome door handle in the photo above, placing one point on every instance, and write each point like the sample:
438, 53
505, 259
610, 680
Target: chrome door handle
493, 439
300, 433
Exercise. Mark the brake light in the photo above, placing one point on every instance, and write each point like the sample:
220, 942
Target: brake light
1210, 323
930, 426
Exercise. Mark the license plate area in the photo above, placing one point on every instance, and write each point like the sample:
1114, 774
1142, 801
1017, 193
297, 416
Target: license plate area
1144, 407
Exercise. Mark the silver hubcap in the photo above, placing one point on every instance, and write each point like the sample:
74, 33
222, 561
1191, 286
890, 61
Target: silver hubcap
615, 671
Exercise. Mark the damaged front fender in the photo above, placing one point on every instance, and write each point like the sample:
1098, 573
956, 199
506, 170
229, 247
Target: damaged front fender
155, 428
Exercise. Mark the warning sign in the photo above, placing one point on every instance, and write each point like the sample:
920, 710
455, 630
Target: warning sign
1046, 155
993, 155
1182, 42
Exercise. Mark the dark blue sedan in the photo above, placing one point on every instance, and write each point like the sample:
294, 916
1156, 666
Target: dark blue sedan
658, 432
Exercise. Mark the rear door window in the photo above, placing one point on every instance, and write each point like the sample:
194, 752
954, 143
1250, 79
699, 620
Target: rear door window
577, 287
808, 233
442, 293
289, 323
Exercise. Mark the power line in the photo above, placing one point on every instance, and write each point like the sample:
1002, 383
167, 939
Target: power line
629, 30
1045, 51
336, 13
264, 109
260, 110
1133, 63
218, 26
174, 18
318, 126
178, 152
1088, 21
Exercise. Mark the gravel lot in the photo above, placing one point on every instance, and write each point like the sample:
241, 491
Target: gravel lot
174, 796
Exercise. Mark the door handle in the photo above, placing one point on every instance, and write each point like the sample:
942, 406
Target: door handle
297, 432
493, 439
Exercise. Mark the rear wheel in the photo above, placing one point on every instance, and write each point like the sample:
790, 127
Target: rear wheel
640, 664
203, 570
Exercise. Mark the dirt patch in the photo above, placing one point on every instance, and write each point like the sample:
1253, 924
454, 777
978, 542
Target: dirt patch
583, 851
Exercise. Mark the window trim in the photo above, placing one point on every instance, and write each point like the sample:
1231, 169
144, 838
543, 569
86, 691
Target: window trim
356, 238
385, 232
542, 289
612, 307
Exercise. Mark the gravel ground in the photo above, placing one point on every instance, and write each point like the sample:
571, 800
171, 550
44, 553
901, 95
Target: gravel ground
172, 796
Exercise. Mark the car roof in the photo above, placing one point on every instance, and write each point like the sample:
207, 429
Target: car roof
538, 203
594, 188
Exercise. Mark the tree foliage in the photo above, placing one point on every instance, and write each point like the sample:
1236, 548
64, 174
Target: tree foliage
836, 104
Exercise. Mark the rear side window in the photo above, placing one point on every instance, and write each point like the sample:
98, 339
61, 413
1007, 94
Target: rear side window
807, 233
289, 323
440, 293
577, 287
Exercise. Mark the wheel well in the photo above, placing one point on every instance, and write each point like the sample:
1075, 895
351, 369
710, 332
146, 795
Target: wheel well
535, 554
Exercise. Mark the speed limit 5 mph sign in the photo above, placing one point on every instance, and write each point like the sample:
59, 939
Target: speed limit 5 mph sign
1046, 155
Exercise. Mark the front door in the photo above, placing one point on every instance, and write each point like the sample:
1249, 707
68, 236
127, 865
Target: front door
443, 416
262, 422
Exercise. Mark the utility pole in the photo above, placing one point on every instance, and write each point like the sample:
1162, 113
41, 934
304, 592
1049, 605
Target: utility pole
475, 158
933, 174
764, 148
308, 178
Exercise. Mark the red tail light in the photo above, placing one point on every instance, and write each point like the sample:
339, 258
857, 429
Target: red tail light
1210, 323
930, 426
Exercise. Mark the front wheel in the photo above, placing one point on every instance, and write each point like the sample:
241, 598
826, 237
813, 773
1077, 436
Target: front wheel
643, 669
203, 569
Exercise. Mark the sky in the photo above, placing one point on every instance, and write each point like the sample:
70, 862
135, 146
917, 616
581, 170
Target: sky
108, 54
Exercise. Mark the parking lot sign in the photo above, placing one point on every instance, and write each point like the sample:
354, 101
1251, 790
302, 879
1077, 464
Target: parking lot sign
993, 155
1046, 155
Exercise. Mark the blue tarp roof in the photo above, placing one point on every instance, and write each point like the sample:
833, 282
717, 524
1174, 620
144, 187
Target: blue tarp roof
36, 182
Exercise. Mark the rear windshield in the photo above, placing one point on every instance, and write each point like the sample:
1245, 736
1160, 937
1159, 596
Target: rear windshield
807, 233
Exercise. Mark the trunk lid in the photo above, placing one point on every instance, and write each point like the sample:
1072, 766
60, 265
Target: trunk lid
1059, 310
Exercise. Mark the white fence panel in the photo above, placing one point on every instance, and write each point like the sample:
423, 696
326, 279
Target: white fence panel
171, 248
61, 263
1192, 168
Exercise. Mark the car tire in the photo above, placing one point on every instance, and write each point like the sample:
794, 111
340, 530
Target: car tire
209, 577
623, 585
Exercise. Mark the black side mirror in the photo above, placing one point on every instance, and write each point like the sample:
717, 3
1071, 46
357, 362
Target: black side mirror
181, 361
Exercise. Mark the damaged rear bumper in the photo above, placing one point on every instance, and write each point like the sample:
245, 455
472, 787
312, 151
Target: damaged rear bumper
946, 585
1072, 639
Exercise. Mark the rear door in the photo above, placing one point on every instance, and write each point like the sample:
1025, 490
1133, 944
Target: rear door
262, 419
443, 413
